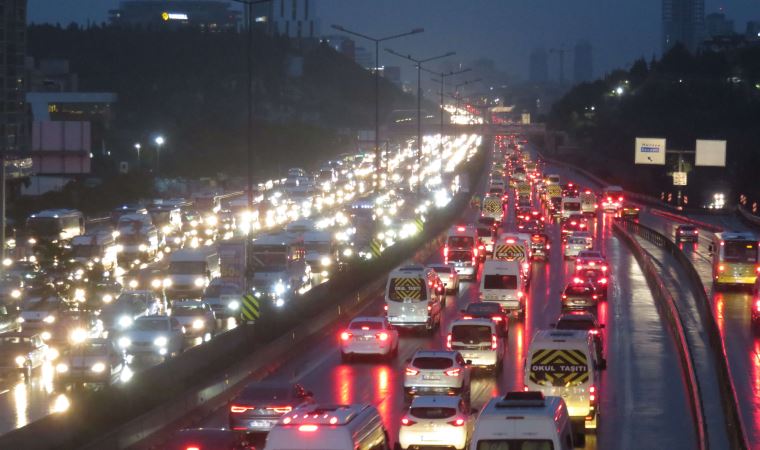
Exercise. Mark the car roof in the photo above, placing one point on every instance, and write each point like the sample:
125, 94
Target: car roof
432, 401
368, 319
475, 321
435, 354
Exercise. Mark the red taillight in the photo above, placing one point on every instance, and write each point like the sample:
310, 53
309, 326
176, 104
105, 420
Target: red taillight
592, 394
410, 371
572, 223
757, 306
281, 409
757, 269
564, 296
721, 268
594, 297
385, 307
603, 281
467, 317
382, 336
510, 241
496, 318
594, 331
526, 266
405, 421
457, 422
452, 372
192, 447
446, 251
520, 294
460, 228
620, 199
604, 268
344, 336
494, 342
430, 308
308, 428
577, 280
475, 251
239, 408
448, 341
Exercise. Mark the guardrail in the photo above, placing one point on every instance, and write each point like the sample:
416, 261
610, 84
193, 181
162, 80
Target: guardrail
729, 403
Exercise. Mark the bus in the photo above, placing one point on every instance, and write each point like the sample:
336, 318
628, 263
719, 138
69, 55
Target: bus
55, 225
734, 259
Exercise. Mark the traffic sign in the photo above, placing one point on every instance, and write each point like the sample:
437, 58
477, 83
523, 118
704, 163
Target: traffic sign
650, 151
251, 307
679, 178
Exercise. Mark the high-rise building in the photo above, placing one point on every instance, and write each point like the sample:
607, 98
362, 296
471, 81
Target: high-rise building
538, 66
13, 116
716, 24
292, 18
752, 33
206, 15
682, 21
583, 63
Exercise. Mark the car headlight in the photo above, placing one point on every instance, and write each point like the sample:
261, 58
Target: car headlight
107, 298
53, 353
78, 335
167, 282
98, 367
45, 335
20, 360
198, 324
124, 342
20, 320
62, 368
142, 247
177, 240
79, 294
234, 305
16, 293
326, 261
279, 288
199, 282
49, 319
133, 284
160, 341
125, 321
156, 283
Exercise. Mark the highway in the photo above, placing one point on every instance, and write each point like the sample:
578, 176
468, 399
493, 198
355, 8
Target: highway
643, 399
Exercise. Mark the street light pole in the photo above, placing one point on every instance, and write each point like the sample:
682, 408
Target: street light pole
138, 147
442, 80
419, 63
377, 42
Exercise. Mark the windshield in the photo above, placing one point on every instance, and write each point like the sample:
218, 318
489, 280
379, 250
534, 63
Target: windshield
432, 363
571, 206
516, 444
471, 334
187, 267
740, 251
150, 325
442, 269
429, 412
575, 324
407, 289
484, 232
460, 256
86, 251
578, 289
43, 226
270, 261
500, 282
461, 241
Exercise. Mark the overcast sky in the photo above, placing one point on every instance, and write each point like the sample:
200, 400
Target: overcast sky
503, 30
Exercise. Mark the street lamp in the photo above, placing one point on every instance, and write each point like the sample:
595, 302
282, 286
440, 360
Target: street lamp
159, 142
419, 63
442, 76
377, 42
138, 147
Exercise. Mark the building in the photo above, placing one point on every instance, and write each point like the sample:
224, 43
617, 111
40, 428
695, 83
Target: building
14, 121
341, 44
206, 15
752, 33
682, 21
365, 58
583, 63
292, 18
716, 24
538, 66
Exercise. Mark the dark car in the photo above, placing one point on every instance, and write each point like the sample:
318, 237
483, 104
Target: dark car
209, 439
629, 212
580, 320
539, 246
687, 233
259, 406
579, 295
488, 221
575, 222
597, 278
488, 310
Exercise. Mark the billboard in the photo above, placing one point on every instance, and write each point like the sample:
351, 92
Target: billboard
710, 153
650, 151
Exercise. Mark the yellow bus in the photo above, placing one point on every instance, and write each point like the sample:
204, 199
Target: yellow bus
735, 259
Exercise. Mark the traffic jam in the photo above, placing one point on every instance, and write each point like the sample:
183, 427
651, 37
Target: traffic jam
523, 217
88, 303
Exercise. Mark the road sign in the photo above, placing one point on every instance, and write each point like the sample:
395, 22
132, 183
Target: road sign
710, 153
650, 151
679, 178
251, 307
419, 223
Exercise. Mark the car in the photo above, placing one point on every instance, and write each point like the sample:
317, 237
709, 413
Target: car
586, 236
449, 277
584, 320
102, 293
436, 420
436, 372
209, 438
260, 405
368, 336
629, 212
575, 222
11, 288
579, 295
72, 326
22, 351
591, 259
91, 361
196, 318
597, 278
8, 318
574, 245
479, 342
130, 305
153, 336
38, 313
539, 245
224, 298
488, 310
686, 233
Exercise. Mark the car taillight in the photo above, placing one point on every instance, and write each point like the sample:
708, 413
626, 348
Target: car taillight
456, 422
757, 306
405, 421
525, 388
603, 281
467, 317
385, 307
281, 409
344, 336
382, 336
445, 252
564, 296
497, 318
308, 428
494, 342
430, 307
594, 297
592, 394
577, 280
594, 331
475, 251
452, 372
448, 341
192, 447
410, 371
520, 294
240, 408
526, 266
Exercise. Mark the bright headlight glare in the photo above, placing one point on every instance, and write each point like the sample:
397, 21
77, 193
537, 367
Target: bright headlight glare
125, 321
198, 324
133, 284
234, 305
62, 368
107, 298
199, 282
279, 288
15, 293
167, 282
156, 283
326, 261
160, 341
142, 247
45, 335
78, 335
20, 360
124, 342
49, 319
98, 367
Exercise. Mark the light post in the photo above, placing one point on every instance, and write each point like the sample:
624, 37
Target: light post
464, 83
419, 63
159, 142
442, 80
377, 42
138, 147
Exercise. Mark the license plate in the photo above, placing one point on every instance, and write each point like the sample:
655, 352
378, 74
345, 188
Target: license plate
262, 423
431, 377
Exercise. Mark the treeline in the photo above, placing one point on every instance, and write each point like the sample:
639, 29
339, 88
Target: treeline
191, 88
681, 97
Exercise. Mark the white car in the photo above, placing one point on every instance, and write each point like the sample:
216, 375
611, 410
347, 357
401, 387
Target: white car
449, 277
574, 245
153, 335
223, 298
437, 372
436, 420
196, 318
369, 336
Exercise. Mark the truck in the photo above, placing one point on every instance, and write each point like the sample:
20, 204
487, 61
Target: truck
232, 260
55, 225
279, 266
190, 271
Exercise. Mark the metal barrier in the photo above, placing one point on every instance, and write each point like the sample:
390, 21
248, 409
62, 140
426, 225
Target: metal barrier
729, 403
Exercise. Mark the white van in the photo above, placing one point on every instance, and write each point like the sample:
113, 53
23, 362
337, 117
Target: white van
502, 282
414, 297
522, 420
329, 427
515, 247
570, 206
461, 250
95, 248
564, 363
190, 271
478, 341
